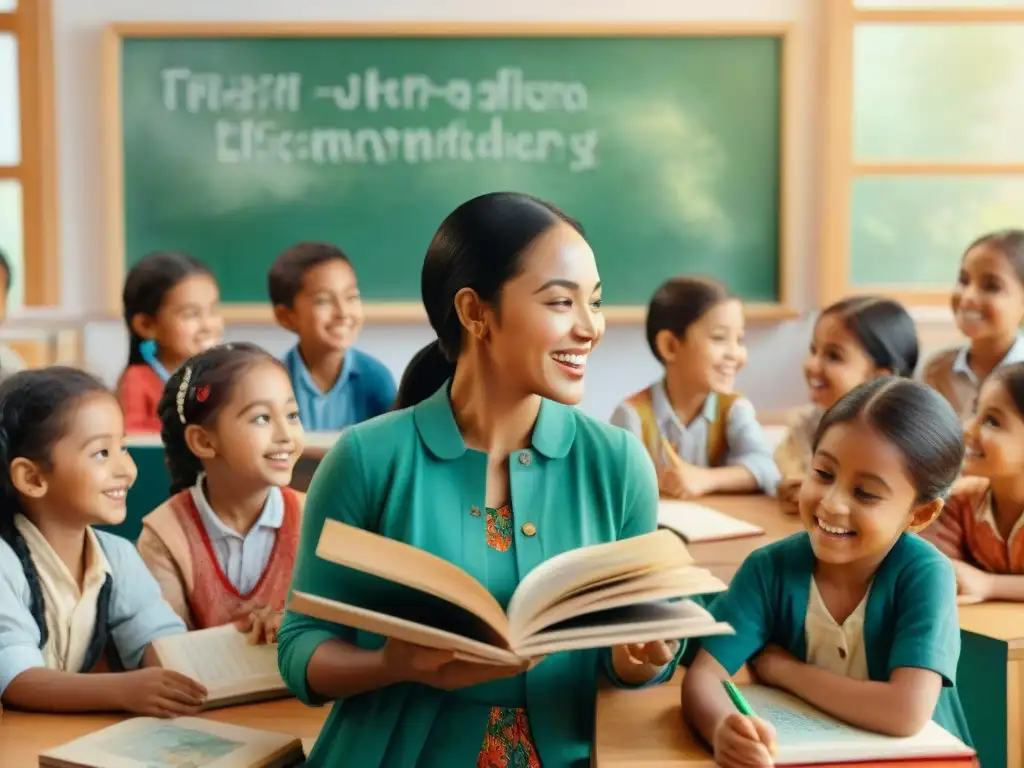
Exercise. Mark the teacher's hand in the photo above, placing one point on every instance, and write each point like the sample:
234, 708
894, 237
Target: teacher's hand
441, 669
636, 663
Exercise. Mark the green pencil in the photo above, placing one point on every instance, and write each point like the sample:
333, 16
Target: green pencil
737, 698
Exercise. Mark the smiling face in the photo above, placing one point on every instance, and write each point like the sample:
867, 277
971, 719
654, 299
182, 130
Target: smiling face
256, 436
548, 317
89, 471
327, 313
994, 437
988, 299
188, 321
859, 497
836, 362
711, 352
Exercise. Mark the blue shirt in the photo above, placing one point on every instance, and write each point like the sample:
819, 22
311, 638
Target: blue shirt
138, 613
364, 389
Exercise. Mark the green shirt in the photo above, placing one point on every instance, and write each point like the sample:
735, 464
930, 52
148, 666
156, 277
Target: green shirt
408, 475
911, 618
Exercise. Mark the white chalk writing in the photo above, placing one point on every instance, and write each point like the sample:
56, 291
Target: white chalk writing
257, 115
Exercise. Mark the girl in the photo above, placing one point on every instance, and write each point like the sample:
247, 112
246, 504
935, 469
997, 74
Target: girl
494, 471
980, 527
702, 437
72, 599
855, 616
223, 546
854, 341
988, 305
171, 308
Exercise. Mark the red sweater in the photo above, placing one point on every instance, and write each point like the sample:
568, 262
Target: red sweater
139, 392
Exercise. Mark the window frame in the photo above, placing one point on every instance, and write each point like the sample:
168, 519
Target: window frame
31, 24
841, 168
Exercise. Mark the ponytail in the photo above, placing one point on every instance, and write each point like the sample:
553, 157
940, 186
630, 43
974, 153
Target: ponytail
428, 370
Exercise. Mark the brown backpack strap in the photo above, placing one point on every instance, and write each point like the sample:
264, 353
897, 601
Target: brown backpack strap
718, 444
643, 405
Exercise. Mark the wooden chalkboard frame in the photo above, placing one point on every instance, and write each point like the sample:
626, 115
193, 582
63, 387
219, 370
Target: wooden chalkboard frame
842, 168
407, 312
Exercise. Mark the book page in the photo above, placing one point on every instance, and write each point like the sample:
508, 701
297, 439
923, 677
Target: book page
570, 571
651, 587
145, 742
807, 735
222, 659
412, 567
697, 523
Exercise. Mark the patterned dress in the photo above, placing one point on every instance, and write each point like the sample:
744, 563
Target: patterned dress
507, 741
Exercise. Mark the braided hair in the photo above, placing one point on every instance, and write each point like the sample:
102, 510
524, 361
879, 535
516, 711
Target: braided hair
195, 394
34, 408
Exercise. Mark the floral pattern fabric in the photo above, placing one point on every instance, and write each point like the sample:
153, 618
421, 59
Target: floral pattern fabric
508, 742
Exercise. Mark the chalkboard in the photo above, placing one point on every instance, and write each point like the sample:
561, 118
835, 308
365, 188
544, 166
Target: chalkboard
234, 143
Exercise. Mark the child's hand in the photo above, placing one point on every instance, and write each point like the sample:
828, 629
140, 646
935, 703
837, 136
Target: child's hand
261, 625
744, 742
771, 663
788, 493
973, 585
159, 692
681, 480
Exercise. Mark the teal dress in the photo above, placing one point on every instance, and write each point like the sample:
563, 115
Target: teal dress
408, 475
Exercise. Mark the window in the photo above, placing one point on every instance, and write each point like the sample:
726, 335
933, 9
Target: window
28, 234
923, 141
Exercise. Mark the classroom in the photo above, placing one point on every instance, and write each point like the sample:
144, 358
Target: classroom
784, 239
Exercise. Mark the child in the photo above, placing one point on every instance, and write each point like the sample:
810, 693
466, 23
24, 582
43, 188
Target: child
171, 307
854, 341
315, 295
856, 615
980, 527
703, 438
72, 599
10, 361
223, 546
988, 305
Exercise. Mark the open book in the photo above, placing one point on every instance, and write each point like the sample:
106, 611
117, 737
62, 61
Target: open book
807, 736
697, 523
147, 742
593, 597
221, 658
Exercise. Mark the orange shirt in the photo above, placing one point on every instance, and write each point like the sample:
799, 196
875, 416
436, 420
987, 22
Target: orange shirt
139, 392
966, 530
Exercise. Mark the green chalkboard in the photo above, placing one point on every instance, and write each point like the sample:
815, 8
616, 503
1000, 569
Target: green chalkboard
666, 148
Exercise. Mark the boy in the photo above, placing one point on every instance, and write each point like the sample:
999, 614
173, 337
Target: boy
10, 361
315, 295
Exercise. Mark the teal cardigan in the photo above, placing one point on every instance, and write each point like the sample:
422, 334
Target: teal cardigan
911, 618
408, 475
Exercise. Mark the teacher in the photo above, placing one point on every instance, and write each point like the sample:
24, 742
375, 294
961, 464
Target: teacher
486, 464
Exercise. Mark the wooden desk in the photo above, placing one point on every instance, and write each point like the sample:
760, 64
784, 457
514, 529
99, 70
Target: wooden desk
645, 729
24, 735
990, 680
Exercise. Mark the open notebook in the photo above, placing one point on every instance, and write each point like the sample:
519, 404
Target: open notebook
807, 736
147, 742
697, 523
221, 658
607, 594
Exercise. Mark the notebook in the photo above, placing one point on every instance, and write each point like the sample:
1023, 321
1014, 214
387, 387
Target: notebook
807, 736
697, 523
147, 742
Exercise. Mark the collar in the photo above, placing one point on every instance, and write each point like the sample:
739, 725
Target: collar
97, 567
271, 516
305, 378
553, 432
666, 414
1014, 355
